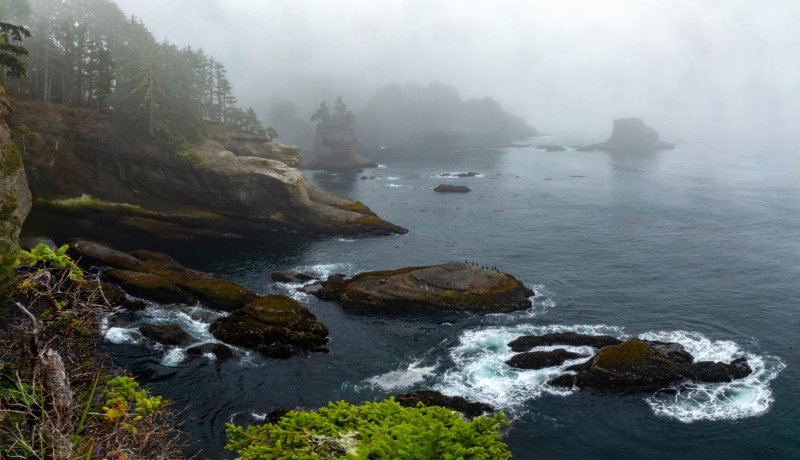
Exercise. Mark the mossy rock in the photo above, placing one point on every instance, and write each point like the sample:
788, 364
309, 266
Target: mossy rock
276, 326
357, 207
216, 293
624, 357
454, 286
154, 287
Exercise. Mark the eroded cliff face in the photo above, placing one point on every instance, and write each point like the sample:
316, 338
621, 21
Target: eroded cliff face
229, 185
15, 197
336, 146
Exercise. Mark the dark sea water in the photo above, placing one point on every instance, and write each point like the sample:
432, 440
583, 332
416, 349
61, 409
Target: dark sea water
699, 245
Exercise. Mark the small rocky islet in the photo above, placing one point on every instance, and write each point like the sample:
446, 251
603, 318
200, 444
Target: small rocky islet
450, 287
629, 366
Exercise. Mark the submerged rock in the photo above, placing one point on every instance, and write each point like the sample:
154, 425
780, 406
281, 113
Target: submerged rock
447, 188
435, 398
643, 366
454, 286
630, 135
574, 339
277, 326
541, 359
168, 334
220, 350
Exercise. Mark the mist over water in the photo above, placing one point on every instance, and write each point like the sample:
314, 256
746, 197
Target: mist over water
714, 68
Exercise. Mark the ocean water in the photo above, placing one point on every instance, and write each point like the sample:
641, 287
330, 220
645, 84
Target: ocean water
699, 245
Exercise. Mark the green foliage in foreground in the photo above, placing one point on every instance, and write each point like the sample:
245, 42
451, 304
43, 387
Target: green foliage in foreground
42, 256
380, 430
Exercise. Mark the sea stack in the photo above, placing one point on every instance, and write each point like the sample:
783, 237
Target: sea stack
630, 135
335, 142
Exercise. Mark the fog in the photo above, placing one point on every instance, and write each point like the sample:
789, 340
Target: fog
690, 69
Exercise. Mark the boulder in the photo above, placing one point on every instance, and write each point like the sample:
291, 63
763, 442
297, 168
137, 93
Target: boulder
455, 286
447, 188
220, 350
435, 398
277, 326
168, 334
644, 366
630, 135
528, 342
541, 359
466, 174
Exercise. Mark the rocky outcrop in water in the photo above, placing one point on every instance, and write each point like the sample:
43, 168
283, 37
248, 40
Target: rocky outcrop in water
644, 366
277, 326
527, 342
15, 197
447, 188
630, 135
168, 334
336, 145
541, 359
228, 186
435, 398
455, 286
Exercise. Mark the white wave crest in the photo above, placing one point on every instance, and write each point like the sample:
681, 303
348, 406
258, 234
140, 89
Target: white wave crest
121, 335
481, 374
403, 377
747, 397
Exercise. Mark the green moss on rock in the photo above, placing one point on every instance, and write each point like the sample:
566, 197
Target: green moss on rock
626, 356
216, 293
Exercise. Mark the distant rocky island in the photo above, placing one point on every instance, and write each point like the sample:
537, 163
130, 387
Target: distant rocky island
437, 116
335, 142
630, 135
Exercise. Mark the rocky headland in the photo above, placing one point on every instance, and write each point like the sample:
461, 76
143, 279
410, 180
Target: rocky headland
630, 135
455, 286
230, 185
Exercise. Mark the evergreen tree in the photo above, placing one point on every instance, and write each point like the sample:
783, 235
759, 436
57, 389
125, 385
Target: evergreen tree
12, 55
322, 114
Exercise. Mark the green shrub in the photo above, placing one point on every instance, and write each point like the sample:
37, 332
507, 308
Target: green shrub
10, 158
380, 430
43, 256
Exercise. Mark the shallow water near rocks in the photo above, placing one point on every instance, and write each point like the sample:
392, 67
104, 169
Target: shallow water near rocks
698, 245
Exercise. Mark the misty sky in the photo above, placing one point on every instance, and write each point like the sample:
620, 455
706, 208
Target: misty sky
567, 66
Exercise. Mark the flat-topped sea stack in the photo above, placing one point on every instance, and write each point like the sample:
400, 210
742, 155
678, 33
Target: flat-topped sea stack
630, 135
335, 142
455, 286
